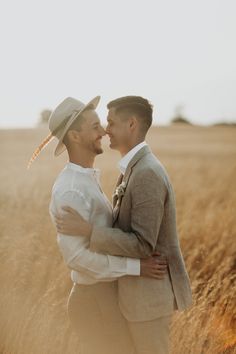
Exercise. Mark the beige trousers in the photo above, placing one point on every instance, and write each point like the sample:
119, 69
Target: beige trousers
151, 337
95, 316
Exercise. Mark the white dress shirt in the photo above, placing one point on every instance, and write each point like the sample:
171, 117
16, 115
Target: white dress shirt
79, 188
123, 163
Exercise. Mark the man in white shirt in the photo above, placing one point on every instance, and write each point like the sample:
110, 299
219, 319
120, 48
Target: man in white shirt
93, 303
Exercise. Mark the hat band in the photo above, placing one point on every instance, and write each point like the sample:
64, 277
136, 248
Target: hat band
61, 125
64, 122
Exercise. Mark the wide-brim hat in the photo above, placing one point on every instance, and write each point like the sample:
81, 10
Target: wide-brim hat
60, 120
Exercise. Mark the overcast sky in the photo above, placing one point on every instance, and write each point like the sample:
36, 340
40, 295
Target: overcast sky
170, 51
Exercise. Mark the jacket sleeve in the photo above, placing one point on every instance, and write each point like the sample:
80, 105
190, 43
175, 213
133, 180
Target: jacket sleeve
148, 193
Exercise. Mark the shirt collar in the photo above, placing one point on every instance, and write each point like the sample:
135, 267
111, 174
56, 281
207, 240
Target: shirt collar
123, 163
90, 171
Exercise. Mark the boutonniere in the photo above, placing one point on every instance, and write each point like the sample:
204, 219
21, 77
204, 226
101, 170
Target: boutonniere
120, 190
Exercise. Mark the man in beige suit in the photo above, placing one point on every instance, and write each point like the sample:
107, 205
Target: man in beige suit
144, 221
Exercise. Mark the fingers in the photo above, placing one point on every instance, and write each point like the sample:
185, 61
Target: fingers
154, 262
59, 229
156, 253
69, 210
160, 267
159, 257
160, 261
159, 270
155, 276
59, 224
158, 274
58, 220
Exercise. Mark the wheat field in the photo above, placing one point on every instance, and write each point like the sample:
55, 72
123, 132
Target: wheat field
34, 281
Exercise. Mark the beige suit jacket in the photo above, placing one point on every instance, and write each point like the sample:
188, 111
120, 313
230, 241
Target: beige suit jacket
144, 221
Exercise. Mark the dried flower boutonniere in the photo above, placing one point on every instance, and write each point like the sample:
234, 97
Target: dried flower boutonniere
120, 190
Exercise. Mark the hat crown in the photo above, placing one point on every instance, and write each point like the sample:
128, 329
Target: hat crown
64, 110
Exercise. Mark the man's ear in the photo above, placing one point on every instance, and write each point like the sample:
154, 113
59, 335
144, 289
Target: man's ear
133, 122
73, 136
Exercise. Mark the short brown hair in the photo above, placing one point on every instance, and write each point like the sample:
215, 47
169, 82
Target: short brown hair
136, 105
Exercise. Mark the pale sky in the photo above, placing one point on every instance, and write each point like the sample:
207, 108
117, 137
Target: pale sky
169, 51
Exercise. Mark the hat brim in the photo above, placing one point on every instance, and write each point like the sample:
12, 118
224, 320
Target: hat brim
60, 146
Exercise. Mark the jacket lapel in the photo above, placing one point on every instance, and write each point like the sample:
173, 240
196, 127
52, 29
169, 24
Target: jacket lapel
117, 203
114, 196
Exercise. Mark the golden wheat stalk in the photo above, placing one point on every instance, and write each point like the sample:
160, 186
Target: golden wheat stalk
37, 151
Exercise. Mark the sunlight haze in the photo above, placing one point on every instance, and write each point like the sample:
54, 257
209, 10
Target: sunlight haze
173, 53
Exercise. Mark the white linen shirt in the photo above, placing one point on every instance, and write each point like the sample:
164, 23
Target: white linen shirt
123, 163
79, 188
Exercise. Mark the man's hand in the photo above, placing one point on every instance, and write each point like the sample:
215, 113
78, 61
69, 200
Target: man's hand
72, 224
154, 266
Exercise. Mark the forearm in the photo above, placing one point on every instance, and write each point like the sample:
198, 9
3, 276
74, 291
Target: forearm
109, 267
98, 266
119, 243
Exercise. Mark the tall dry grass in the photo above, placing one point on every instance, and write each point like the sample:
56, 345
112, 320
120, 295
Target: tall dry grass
35, 282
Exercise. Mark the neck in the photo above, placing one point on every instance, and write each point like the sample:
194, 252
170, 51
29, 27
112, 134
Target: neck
82, 158
130, 146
